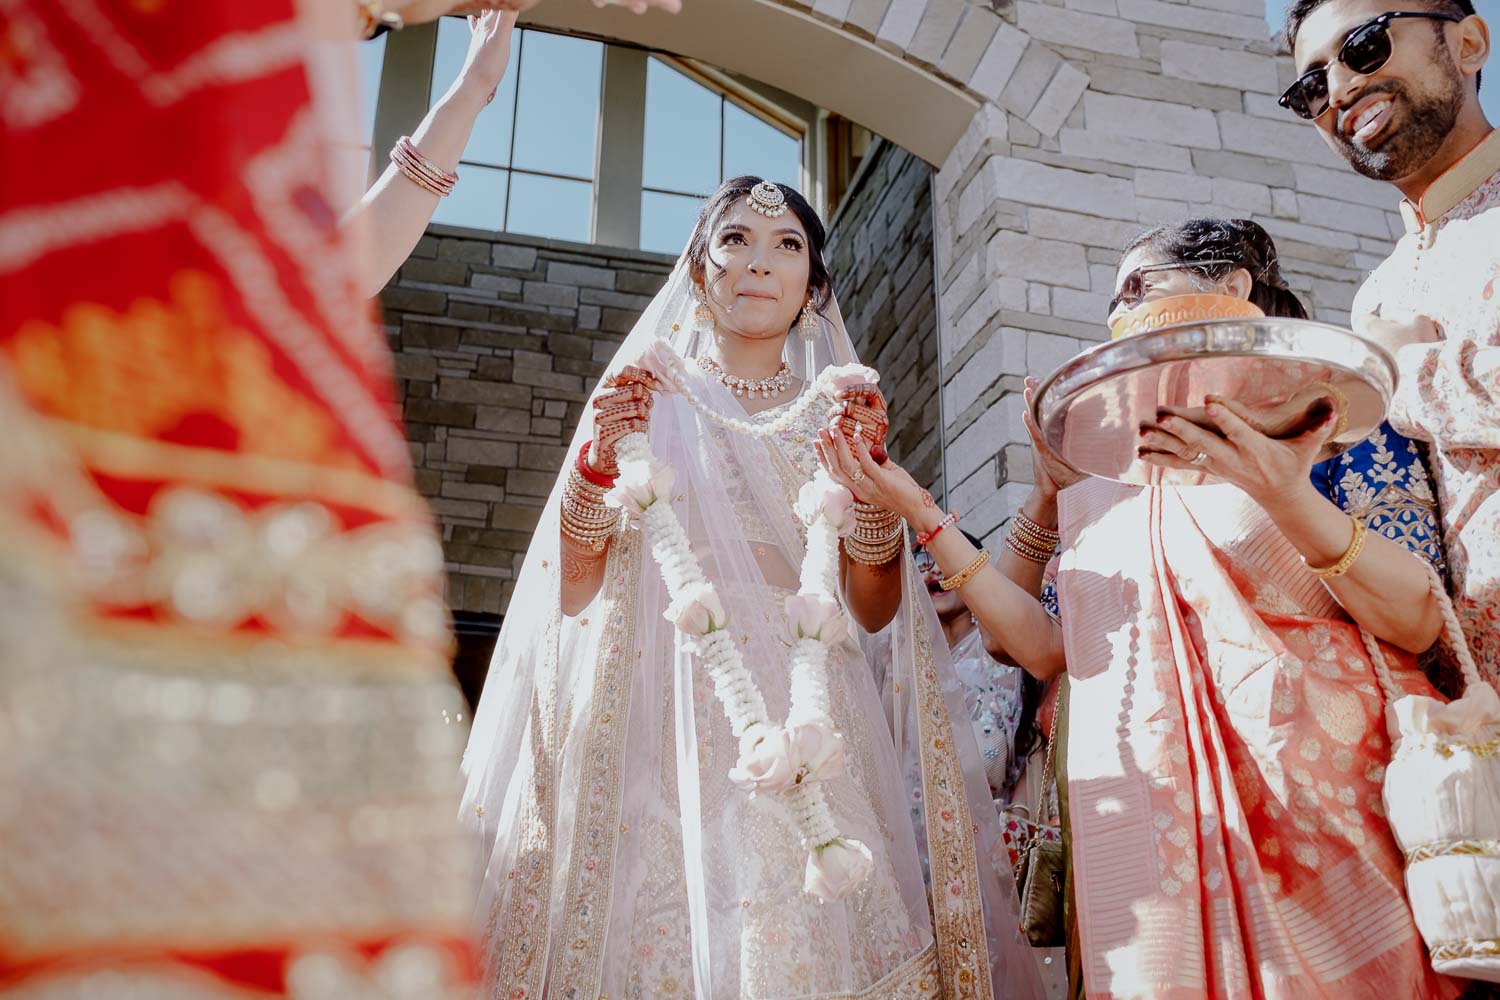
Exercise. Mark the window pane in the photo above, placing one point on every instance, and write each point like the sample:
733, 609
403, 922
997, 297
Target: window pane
667, 221
682, 132
546, 206
557, 117
489, 143
371, 56
477, 201
752, 146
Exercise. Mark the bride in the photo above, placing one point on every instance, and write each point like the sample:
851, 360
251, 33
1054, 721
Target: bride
682, 773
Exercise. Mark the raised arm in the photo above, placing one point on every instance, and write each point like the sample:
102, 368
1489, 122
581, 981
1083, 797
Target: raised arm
1032, 638
395, 212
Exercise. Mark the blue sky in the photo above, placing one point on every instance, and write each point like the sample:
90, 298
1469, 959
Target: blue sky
1489, 93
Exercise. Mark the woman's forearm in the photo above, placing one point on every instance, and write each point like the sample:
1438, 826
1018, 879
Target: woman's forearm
1008, 615
872, 593
582, 575
1385, 591
395, 212
1026, 573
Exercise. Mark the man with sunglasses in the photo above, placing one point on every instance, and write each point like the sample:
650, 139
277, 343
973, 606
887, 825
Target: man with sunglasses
1393, 86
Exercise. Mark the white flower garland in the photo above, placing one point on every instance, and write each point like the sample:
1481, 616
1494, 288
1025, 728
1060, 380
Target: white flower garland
794, 758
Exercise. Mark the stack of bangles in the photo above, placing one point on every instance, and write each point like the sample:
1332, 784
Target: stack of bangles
586, 519
420, 170
1030, 540
877, 537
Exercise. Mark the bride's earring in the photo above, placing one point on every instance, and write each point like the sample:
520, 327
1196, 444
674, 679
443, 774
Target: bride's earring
807, 323
703, 316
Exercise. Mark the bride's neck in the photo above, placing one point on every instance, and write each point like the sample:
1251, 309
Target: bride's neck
744, 357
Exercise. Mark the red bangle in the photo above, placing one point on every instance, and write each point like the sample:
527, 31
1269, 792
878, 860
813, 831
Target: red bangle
923, 537
588, 472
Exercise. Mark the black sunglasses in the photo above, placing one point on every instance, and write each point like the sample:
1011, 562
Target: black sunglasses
1365, 50
1133, 288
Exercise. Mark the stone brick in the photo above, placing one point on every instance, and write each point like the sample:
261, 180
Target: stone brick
1151, 86
1291, 140
447, 508
1036, 69
1150, 120
505, 420
1086, 230
1346, 185
999, 62
1242, 196
471, 251
1346, 216
1079, 30
1162, 184
498, 283
900, 24
1218, 66
1096, 145
1038, 298
1242, 167
559, 273
1071, 190
436, 411
934, 30
420, 367
547, 294
538, 456
1004, 351
522, 483
865, 16
1058, 100
480, 451
513, 258
1016, 255
1189, 18
970, 40
413, 300
1085, 307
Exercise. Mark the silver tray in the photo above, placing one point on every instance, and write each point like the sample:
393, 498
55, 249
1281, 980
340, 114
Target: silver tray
1091, 409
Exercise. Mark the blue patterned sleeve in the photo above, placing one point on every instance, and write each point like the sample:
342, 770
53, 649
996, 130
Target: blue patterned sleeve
1049, 598
1385, 481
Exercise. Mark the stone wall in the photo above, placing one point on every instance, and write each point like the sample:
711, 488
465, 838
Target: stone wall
1111, 116
880, 253
498, 340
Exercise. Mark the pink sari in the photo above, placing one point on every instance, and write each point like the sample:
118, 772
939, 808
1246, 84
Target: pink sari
1224, 772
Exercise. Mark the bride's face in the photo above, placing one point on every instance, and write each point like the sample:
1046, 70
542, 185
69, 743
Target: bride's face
756, 275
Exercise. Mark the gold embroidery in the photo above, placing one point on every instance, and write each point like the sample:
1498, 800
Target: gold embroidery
145, 371
516, 935
957, 914
1473, 948
591, 865
1453, 848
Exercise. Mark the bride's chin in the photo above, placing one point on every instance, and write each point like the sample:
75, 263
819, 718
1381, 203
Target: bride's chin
770, 333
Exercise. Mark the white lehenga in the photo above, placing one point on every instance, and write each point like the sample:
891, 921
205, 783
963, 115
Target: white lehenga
619, 860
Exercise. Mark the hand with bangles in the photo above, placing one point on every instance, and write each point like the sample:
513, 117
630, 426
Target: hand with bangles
860, 412
622, 411
1271, 471
881, 484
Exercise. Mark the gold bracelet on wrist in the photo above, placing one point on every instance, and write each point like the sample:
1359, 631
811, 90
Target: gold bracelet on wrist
1032, 533
966, 574
1356, 546
878, 552
1027, 552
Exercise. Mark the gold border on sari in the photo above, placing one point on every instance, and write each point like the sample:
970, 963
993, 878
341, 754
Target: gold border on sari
953, 861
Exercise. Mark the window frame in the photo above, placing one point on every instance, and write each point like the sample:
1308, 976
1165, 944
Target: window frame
613, 219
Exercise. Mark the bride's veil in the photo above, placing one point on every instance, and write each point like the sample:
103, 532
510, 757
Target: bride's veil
563, 816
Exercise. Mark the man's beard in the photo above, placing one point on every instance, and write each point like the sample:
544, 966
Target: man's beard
1429, 120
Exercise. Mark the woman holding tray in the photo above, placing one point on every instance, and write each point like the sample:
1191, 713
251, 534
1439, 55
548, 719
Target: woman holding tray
1229, 740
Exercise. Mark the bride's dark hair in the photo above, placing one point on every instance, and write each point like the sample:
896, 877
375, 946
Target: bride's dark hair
819, 284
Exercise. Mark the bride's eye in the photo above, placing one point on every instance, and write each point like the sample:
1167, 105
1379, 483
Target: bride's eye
792, 243
732, 239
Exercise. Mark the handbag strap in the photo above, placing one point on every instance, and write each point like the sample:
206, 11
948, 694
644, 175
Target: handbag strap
1453, 636
1041, 795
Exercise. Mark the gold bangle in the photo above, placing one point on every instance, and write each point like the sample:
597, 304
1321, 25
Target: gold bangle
966, 574
1038, 545
1356, 546
1027, 552
1027, 525
870, 555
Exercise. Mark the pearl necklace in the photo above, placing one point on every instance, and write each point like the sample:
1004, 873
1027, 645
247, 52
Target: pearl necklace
764, 388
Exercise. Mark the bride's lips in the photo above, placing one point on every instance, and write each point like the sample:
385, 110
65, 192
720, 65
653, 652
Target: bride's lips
765, 296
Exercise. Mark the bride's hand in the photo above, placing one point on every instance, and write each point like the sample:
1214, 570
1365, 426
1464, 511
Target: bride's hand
888, 485
489, 51
623, 411
860, 412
